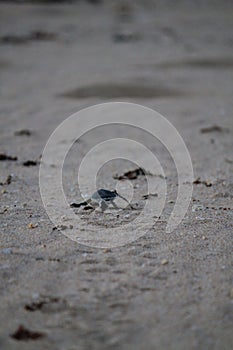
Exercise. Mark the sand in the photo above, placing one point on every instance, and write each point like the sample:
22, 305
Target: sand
162, 291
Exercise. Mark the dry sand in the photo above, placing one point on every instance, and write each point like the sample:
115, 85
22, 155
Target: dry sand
164, 291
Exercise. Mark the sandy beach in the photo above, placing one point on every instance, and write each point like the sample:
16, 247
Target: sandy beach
164, 290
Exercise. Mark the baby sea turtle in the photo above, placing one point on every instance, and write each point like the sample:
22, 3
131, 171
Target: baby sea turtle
102, 197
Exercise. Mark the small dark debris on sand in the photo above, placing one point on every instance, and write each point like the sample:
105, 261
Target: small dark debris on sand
13, 39
25, 334
30, 163
131, 174
4, 156
134, 174
78, 205
7, 181
35, 35
23, 132
34, 306
146, 196
88, 207
40, 304
212, 128
42, 35
198, 181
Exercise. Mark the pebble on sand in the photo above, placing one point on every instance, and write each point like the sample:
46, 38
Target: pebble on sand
164, 262
31, 225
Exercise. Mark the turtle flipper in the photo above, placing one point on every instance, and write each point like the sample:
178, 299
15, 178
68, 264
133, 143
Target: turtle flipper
78, 205
103, 206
